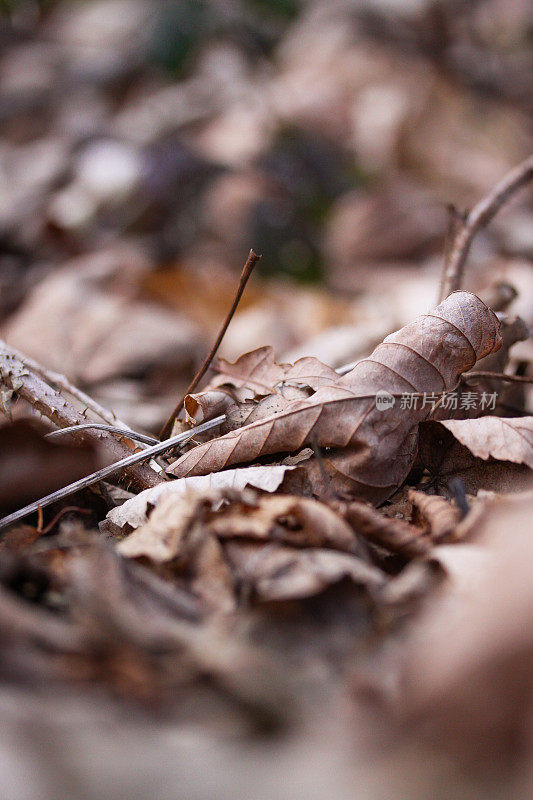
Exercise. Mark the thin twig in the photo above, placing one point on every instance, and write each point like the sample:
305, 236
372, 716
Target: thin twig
17, 375
61, 513
126, 433
498, 376
247, 270
456, 218
478, 218
123, 464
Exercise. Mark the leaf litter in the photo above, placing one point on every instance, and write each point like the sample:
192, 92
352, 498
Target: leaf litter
351, 582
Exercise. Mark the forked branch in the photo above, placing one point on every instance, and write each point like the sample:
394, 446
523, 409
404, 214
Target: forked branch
477, 219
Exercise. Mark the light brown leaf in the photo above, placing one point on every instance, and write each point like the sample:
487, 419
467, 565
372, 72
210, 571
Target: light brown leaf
258, 371
298, 521
175, 534
502, 438
373, 449
255, 386
445, 457
134, 512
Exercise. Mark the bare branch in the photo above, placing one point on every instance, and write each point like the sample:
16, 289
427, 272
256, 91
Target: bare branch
16, 374
477, 219
65, 386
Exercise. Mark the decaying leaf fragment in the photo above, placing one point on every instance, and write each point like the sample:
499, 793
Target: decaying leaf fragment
297, 538
277, 572
298, 521
175, 534
370, 450
395, 535
438, 514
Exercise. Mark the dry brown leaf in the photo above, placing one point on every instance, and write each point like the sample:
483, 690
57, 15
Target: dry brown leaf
277, 572
259, 371
445, 457
255, 386
502, 438
438, 513
298, 521
374, 449
395, 535
134, 512
175, 534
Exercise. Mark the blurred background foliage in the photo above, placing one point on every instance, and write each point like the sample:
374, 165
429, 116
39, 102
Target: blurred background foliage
166, 138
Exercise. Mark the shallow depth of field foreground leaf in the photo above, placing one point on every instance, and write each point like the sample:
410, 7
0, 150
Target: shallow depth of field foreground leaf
372, 450
467, 668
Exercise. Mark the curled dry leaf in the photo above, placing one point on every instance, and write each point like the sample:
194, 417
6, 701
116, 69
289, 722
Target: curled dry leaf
175, 534
134, 512
372, 450
277, 572
188, 532
255, 386
440, 517
395, 535
297, 521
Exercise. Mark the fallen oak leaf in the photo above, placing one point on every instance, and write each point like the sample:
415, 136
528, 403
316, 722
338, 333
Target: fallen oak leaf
374, 450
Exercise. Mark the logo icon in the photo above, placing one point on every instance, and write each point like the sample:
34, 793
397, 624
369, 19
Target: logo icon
384, 400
